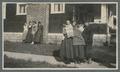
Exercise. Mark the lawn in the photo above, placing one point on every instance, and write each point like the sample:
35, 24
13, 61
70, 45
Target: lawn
102, 54
39, 49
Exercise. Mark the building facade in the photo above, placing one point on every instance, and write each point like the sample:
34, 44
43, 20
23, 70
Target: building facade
54, 15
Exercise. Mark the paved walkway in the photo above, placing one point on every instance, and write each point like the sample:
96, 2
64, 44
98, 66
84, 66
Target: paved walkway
50, 60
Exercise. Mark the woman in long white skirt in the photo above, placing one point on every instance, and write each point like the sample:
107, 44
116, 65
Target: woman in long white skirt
34, 30
25, 32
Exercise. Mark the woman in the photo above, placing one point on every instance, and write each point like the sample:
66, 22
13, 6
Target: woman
66, 52
39, 33
88, 37
29, 34
78, 43
25, 31
34, 30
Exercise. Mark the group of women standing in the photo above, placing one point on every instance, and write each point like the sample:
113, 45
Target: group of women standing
74, 47
33, 32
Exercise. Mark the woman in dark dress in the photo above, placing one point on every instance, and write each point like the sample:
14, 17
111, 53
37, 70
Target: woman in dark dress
39, 34
88, 37
29, 34
66, 51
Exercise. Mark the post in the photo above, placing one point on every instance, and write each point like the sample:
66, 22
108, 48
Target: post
39, 12
73, 19
104, 19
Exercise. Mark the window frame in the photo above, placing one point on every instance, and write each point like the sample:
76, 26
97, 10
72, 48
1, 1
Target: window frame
18, 9
53, 10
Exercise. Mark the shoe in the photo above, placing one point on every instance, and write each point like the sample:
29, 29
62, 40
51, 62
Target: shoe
84, 60
76, 62
72, 63
32, 43
89, 61
67, 62
79, 62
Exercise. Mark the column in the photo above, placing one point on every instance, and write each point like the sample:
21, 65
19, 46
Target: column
104, 13
104, 19
4, 10
39, 12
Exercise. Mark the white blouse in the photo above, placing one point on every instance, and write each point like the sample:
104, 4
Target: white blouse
69, 30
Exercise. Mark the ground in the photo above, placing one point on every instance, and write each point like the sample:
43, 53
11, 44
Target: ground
105, 56
20, 63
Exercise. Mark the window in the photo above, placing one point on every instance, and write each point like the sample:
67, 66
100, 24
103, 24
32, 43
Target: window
21, 9
57, 8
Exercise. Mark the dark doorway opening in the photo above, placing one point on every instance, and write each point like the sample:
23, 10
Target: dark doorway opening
83, 13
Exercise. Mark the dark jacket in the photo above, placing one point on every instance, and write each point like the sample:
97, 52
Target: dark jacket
88, 35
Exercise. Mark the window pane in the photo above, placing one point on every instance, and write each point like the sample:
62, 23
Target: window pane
59, 7
24, 9
20, 9
56, 7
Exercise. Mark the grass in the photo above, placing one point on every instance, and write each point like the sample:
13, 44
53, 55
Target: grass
102, 54
39, 49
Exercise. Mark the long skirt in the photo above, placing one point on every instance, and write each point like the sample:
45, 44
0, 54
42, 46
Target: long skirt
88, 51
79, 51
29, 36
24, 35
38, 37
66, 50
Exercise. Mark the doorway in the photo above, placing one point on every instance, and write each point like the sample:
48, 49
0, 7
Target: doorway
84, 13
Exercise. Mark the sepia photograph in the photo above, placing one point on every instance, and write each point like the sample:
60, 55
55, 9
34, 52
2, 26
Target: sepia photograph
60, 35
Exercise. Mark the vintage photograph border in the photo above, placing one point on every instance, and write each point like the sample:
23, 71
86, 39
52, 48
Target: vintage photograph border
63, 68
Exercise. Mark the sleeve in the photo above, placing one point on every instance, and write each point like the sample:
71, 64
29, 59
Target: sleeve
64, 31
